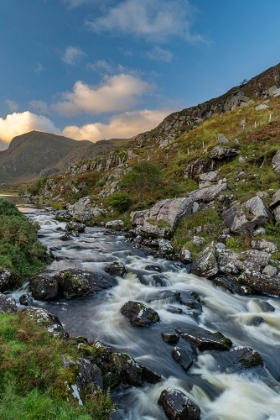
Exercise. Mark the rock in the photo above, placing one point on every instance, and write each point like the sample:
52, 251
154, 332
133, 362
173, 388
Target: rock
153, 268
44, 287
88, 374
253, 259
237, 359
75, 227
260, 283
65, 237
183, 357
83, 210
230, 283
50, 321
177, 406
25, 300
222, 139
203, 339
115, 224
275, 200
227, 260
276, 163
269, 270
205, 195
206, 265
74, 283
198, 167
220, 153
248, 216
8, 280
163, 217
170, 338
191, 300
198, 240
116, 269
139, 314
185, 256
261, 107
7, 304
209, 178
256, 321
264, 245
264, 306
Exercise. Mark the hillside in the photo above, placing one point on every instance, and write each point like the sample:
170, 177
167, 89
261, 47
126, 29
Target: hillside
36, 154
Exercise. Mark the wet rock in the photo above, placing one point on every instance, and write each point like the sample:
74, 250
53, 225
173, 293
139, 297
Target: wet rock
190, 300
174, 310
50, 321
139, 314
205, 195
65, 237
116, 269
183, 357
237, 359
256, 321
153, 268
115, 224
75, 227
44, 287
170, 338
220, 153
167, 295
204, 339
185, 256
25, 300
206, 265
264, 306
230, 283
260, 283
74, 283
88, 375
247, 217
7, 304
177, 406
8, 280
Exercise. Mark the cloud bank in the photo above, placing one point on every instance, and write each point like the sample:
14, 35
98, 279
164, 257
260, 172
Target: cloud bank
125, 125
19, 123
116, 93
156, 20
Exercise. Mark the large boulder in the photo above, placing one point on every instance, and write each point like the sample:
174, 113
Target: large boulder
208, 179
177, 406
206, 264
237, 359
139, 314
74, 283
276, 162
207, 194
8, 280
220, 152
203, 339
44, 287
260, 283
163, 217
7, 304
245, 218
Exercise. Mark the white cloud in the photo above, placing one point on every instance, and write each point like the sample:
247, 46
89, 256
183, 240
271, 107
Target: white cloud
117, 93
156, 20
40, 107
12, 105
100, 65
120, 126
19, 123
38, 69
72, 55
160, 54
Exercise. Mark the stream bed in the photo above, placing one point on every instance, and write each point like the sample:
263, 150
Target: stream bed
221, 393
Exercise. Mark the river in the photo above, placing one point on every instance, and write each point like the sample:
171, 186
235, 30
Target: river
252, 394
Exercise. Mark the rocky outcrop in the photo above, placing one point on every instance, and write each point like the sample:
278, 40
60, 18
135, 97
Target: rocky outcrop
223, 153
245, 218
207, 194
48, 320
162, 218
202, 339
84, 210
139, 314
115, 224
260, 283
206, 264
177, 406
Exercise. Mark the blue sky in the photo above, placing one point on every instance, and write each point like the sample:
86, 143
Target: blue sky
94, 69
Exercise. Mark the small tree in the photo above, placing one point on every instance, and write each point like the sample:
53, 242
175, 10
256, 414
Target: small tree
142, 178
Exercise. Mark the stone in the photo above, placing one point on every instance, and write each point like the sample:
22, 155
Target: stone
48, 320
183, 357
209, 178
177, 406
8, 280
253, 259
261, 107
275, 199
44, 287
220, 153
206, 264
25, 299
7, 304
237, 359
83, 210
116, 269
75, 227
245, 218
139, 314
265, 245
269, 270
222, 139
75, 283
88, 374
198, 240
205, 195
276, 163
185, 256
170, 338
260, 283
189, 299
227, 260
203, 339
115, 224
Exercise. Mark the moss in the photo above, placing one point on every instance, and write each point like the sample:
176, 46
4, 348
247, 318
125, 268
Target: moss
255, 360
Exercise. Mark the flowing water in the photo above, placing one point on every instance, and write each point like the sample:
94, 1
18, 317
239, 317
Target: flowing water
252, 394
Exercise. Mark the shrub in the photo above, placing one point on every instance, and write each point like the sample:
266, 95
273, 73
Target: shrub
119, 201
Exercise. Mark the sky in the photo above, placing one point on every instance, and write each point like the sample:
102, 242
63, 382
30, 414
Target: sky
101, 69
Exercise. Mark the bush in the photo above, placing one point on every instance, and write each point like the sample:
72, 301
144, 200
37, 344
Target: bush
119, 201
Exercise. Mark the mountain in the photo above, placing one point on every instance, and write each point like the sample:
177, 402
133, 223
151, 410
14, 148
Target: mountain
36, 154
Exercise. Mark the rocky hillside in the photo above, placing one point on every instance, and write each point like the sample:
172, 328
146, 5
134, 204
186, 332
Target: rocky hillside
36, 154
203, 187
